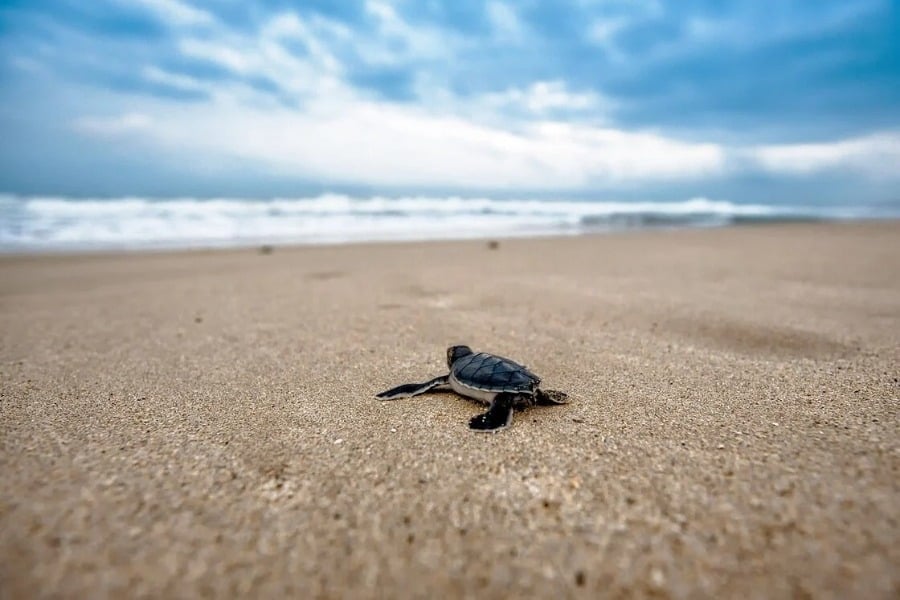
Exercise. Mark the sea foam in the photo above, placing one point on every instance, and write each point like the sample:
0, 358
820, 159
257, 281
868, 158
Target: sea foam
30, 223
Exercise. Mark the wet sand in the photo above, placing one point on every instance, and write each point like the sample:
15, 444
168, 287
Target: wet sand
203, 423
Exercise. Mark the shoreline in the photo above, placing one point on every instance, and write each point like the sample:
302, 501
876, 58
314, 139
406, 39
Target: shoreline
272, 245
203, 422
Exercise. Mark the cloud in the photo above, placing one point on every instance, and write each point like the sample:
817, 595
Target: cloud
544, 96
486, 94
177, 81
265, 56
339, 133
113, 125
875, 155
396, 41
175, 12
602, 31
361, 141
216, 52
505, 21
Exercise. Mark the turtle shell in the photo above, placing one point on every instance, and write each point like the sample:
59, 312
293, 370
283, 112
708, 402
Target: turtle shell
493, 373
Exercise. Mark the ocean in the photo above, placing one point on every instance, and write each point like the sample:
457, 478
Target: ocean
60, 224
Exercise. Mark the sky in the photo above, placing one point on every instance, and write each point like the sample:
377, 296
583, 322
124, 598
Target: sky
748, 100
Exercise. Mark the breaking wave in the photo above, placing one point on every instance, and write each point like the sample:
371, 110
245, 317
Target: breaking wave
30, 223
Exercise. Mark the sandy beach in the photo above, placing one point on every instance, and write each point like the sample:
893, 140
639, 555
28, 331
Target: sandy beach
204, 423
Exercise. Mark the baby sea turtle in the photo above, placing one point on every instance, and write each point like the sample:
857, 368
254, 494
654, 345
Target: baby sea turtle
499, 382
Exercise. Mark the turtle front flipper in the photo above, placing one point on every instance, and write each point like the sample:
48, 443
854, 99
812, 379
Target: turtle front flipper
546, 397
408, 390
498, 416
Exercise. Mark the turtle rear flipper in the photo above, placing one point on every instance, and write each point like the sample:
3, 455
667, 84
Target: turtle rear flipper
546, 397
498, 416
408, 390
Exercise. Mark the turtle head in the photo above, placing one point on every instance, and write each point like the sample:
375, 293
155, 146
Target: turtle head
456, 352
